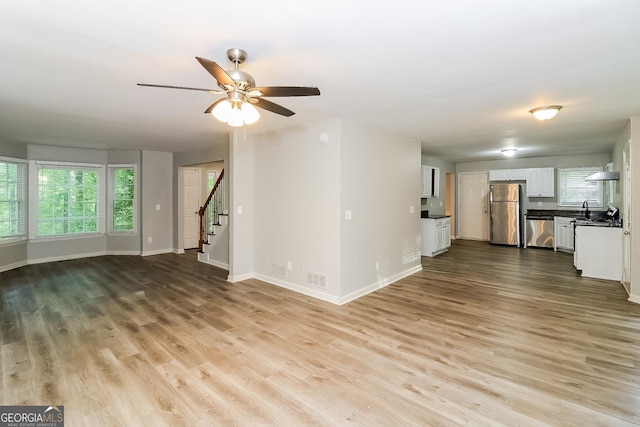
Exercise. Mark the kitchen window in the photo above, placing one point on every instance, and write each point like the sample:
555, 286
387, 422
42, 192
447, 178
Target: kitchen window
13, 200
574, 190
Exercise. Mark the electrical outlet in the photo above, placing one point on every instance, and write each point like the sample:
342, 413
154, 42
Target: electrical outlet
289, 265
377, 266
149, 239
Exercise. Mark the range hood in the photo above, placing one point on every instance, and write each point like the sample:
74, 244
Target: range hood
603, 176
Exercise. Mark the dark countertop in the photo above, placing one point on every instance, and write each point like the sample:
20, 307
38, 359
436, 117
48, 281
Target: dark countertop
597, 218
425, 214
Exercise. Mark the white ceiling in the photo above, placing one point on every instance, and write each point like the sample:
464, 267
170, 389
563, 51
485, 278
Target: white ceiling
459, 75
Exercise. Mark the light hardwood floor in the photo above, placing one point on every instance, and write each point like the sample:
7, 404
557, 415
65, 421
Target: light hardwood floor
484, 335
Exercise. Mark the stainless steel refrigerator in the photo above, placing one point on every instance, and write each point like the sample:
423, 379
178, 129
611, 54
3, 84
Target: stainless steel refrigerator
506, 214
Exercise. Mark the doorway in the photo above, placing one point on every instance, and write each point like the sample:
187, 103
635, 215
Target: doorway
473, 217
190, 206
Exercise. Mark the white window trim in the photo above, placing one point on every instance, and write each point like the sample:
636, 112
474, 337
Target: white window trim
34, 166
597, 204
110, 186
25, 210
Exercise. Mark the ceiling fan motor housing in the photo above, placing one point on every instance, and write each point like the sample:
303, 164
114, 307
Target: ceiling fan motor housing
243, 80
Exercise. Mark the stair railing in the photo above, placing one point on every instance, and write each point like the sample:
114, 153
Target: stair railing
209, 212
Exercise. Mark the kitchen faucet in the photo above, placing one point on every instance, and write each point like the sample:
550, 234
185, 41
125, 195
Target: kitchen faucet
585, 205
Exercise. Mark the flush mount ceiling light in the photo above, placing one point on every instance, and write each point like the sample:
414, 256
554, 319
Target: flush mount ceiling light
545, 113
509, 152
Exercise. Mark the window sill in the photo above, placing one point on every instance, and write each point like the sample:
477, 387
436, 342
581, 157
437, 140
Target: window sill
69, 237
11, 242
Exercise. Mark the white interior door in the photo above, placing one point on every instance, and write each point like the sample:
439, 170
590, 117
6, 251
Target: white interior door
191, 205
626, 225
473, 218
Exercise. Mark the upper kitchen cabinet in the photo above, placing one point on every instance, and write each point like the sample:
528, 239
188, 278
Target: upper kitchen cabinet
540, 182
430, 182
507, 175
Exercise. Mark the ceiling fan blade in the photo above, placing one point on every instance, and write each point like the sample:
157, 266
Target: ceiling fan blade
216, 71
212, 106
286, 91
273, 107
215, 91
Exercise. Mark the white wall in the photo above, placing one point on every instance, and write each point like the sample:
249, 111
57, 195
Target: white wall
622, 144
635, 208
302, 191
380, 183
241, 206
297, 218
156, 190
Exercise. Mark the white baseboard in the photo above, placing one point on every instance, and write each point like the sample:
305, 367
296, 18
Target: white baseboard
324, 296
65, 257
384, 281
218, 264
156, 252
240, 277
634, 298
12, 266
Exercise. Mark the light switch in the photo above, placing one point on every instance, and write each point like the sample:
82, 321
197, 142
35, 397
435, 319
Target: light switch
239, 210
347, 214
412, 209
157, 207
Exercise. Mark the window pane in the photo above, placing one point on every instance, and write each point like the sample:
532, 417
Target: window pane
13, 206
574, 190
123, 196
67, 201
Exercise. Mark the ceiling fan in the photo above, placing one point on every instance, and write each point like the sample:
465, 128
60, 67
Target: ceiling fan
242, 94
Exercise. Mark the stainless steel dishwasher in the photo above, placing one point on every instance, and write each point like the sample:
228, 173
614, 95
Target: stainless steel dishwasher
538, 231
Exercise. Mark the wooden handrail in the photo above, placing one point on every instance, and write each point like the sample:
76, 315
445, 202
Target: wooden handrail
203, 209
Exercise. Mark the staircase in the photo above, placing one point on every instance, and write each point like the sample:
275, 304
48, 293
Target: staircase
214, 222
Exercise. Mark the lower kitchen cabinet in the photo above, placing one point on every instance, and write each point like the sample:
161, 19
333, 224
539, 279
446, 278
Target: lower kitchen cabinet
436, 236
598, 252
563, 231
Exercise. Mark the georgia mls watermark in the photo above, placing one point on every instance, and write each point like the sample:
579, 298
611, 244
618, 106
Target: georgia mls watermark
31, 416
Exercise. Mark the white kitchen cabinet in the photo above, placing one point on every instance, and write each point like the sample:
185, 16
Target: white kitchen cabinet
598, 252
540, 182
563, 231
507, 175
430, 182
436, 236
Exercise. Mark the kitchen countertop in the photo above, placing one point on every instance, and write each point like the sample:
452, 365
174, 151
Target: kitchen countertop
597, 218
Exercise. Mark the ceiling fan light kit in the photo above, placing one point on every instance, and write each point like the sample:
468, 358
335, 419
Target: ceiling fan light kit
243, 96
546, 113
